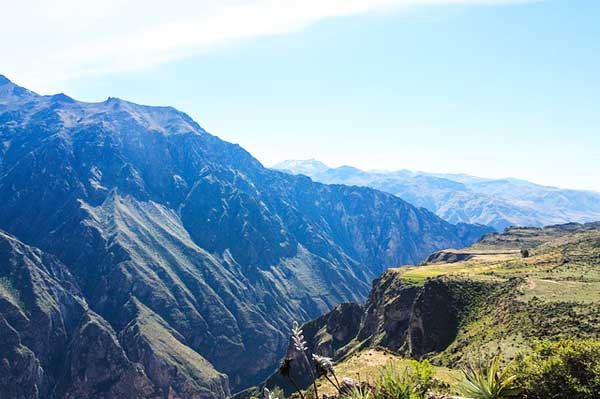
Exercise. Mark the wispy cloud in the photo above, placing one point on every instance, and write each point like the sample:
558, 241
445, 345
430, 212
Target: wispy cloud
46, 42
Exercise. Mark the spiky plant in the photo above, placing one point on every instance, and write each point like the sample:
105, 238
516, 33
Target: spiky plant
359, 392
396, 382
489, 381
268, 395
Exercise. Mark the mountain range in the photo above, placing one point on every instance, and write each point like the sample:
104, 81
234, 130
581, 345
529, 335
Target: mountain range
142, 257
459, 198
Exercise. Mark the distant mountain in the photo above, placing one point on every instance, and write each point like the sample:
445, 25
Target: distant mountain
461, 198
144, 257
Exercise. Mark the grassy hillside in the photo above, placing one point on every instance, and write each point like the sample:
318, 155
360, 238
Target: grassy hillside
367, 364
552, 293
500, 296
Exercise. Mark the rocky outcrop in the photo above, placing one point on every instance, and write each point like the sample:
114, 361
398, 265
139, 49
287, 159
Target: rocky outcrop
438, 311
447, 257
401, 317
39, 310
175, 368
21, 375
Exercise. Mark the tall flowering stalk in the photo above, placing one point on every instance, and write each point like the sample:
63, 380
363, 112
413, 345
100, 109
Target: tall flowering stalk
324, 367
300, 346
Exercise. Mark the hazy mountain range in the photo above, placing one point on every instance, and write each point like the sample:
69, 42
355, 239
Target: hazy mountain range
462, 198
142, 257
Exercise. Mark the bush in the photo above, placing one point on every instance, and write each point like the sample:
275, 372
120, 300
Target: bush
397, 382
566, 369
525, 253
489, 381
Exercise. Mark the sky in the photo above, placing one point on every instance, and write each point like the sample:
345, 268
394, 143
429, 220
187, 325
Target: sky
484, 87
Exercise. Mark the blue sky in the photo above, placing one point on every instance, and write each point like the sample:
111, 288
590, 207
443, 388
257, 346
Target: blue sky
492, 90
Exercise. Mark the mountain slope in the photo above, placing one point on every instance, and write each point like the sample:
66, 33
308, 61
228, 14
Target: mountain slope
164, 225
467, 199
55, 346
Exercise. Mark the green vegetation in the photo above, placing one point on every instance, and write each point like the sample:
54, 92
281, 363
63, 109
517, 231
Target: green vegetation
565, 369
535, 315
489, 381
398, 382
553, 293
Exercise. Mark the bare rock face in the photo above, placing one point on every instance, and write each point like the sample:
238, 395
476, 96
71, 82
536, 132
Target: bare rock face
150, 219
36, 318
97, 367
176, 369
388, 312
53, 346
438, 310
20, 373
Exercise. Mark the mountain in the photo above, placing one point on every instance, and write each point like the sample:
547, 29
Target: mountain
462, 305
466, 199
177, 261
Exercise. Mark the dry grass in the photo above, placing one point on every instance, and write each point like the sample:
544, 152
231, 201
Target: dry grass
366, 365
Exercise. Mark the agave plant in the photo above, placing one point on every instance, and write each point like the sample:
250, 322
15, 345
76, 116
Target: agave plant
359, 393
397, 382
489, 381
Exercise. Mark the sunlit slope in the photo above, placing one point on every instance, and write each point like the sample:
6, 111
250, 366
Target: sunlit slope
552, 293
500, 295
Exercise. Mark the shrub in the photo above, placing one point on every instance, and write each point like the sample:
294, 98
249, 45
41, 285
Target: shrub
562, 369
397, 382
488, 381
360, 393
525, 253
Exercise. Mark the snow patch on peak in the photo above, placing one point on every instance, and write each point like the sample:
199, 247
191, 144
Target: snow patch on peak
307, 167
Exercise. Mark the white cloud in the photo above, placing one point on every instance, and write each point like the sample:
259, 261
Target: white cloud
45, 42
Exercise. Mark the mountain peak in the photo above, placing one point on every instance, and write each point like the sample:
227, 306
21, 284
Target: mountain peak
4, 80
62, 97
9, 90
302, 166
